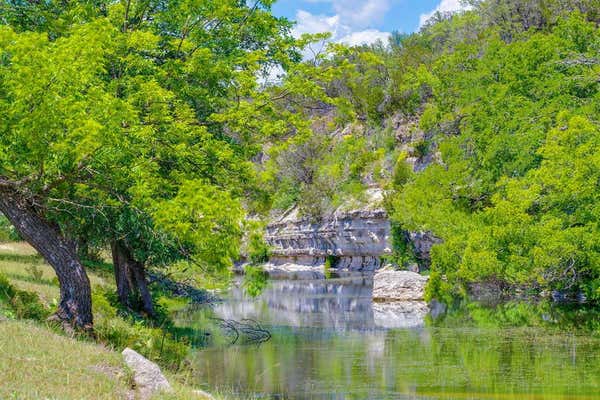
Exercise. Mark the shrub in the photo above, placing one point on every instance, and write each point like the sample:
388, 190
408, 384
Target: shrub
402, 172
257, 248
331, 261
421, 149
403, 253
120, 330
7, 231
22, 304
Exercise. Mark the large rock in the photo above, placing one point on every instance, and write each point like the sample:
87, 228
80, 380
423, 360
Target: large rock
147, 376
389, 286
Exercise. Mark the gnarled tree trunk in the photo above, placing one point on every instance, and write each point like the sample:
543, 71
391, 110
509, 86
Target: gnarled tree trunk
75, 305
130, 277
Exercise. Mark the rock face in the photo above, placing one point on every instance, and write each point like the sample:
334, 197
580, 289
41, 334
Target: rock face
357, 239
393, 286
147, 376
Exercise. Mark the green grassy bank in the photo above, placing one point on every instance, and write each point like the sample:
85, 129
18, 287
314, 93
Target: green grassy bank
39, 361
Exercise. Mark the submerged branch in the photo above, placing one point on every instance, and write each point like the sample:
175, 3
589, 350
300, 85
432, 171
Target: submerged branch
246, 331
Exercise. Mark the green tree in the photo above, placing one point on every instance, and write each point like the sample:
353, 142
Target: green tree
108, 122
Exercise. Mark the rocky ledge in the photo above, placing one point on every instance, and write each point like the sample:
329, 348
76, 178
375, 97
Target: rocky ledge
355, 240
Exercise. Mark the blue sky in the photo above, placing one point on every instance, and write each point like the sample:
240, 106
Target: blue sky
360, 21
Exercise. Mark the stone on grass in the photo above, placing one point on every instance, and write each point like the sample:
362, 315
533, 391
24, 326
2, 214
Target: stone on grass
147, 376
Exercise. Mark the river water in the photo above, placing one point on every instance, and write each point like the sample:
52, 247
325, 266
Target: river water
329, 341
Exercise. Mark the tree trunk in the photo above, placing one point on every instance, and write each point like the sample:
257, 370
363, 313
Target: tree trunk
75, 305
123, 275
130, 277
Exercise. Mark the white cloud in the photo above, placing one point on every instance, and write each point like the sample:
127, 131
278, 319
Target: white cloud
365, 37
358, 14
341, 31
444, 6
311, 23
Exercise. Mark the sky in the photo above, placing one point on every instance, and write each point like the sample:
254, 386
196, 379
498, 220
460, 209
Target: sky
360, 21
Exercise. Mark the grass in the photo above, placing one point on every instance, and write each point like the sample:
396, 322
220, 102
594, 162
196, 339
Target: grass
40, 362
16, 262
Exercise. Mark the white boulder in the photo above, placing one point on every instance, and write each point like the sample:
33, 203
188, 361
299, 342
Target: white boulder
147, 376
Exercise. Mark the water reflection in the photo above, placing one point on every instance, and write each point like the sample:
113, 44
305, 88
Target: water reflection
340, 304
331, 342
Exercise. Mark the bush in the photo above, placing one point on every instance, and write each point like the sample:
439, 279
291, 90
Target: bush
403, 253
421, 148
7, 231
331, 262
20, 303
257, 248
402, 172
120, 330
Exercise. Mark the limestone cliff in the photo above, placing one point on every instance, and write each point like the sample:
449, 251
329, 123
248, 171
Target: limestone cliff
356, 239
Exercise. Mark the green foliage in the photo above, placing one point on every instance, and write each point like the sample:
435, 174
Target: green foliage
421, 148
514, 200
506, 95
7, 231
206, 218
165, 170
257, 249
403, 253
120, 330
331, 262
21, 304
402, 172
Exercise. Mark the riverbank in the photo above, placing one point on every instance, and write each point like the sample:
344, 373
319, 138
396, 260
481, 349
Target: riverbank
41, 361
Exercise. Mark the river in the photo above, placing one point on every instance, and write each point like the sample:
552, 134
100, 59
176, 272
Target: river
329, 341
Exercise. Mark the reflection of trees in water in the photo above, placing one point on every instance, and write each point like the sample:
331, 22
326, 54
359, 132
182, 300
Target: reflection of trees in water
502, 363
463, 353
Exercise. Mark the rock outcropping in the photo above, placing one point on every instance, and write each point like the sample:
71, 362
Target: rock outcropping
356, 240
